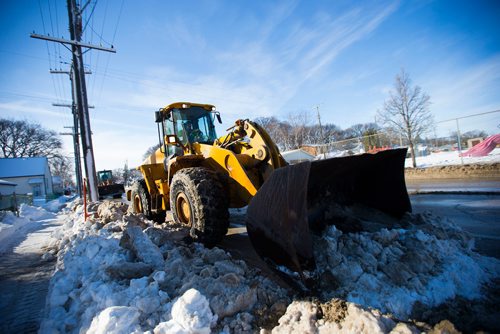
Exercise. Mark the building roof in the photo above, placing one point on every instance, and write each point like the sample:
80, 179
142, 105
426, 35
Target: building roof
19, 167
296, 154
7, 183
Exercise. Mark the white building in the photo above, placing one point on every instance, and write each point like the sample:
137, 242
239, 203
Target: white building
31, 176
296, 156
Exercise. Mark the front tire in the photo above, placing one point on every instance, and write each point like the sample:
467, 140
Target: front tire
198, 200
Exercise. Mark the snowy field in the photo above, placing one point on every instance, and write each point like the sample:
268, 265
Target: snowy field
453, 158
438, 158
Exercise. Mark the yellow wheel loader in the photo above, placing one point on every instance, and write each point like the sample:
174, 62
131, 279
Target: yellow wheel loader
198, 176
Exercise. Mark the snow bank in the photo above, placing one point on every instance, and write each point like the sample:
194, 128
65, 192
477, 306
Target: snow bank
393, 269
102, 275
57, 204
35, 213
190, 314
116, 320
10, 224
119, 277
302, 317
453, 158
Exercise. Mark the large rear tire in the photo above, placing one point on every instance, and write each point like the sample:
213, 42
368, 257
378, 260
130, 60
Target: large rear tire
199, 201
141, 202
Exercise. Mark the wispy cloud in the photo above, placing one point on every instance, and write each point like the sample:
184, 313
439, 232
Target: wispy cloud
16, 108
463, 90
261, 74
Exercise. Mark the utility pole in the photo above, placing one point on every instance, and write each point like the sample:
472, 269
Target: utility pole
321, 131
78, 167
459, 142
75, 127
75, 28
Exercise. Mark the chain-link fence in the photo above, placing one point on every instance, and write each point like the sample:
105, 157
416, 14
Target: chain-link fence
453, 135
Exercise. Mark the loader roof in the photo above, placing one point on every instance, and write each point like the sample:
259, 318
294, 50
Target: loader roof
185, 105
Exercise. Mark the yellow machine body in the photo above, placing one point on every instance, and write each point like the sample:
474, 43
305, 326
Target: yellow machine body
246, 156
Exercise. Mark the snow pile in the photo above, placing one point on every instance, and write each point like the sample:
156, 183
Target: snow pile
453, 158
35, 213
106, 273
116, 320
10, 224
127, 276
190, 314
57, 204
337, 317
424, 261
433, 159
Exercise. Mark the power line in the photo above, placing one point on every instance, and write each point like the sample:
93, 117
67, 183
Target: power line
33, 97
90, 16
75, 26
478, 114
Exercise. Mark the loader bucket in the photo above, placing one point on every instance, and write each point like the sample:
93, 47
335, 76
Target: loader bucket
293, 201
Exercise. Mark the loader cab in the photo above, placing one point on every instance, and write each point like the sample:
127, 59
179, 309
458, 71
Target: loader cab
190, 124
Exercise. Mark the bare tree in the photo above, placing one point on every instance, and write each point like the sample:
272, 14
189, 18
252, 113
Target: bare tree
62, 166
150, 151
407, 111
20, 139
278, 130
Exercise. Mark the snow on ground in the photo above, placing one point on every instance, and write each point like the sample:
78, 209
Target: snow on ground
453, 158
435, 158
420, 260
57, 204
114, 278
12, 225
119, 274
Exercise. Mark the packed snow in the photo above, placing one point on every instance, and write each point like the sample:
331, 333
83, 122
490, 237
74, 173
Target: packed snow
167, 286
120, 273
453, 158
420, 259
446, 158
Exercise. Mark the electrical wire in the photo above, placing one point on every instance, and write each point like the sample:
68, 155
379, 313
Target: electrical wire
109, 56
47, 45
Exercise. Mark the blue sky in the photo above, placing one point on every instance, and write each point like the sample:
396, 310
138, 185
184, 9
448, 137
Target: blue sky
250, 59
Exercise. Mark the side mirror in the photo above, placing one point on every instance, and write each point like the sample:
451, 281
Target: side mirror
158, 117
218, 118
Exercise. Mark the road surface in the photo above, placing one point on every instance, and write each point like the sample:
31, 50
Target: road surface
477, 214
25, 277
453, 185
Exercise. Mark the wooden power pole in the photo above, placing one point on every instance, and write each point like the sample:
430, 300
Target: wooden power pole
75, 133
75, 28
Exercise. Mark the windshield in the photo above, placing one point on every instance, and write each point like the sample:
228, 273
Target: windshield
194, 125
104, 175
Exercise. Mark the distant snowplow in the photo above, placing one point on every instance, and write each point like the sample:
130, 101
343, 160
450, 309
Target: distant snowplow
106, 185
198, 176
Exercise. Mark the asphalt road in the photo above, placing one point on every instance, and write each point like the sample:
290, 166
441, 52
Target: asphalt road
453, 185
477, 214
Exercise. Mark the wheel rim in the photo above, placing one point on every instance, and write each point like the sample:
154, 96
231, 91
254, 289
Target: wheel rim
183, 209
137, 204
